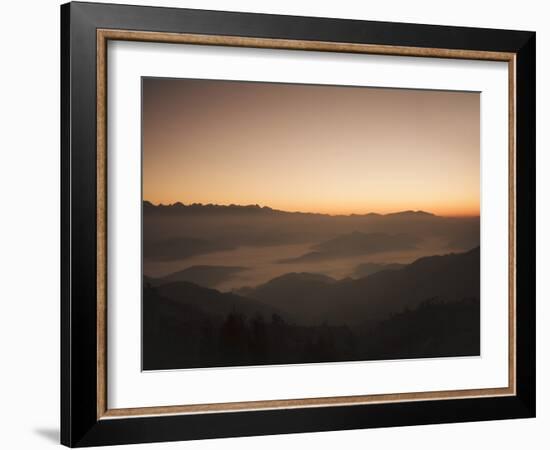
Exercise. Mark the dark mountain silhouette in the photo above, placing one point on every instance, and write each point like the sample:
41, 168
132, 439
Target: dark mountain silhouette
210, 208
194, 208
366, 269
289, 290
178, 231
432, 329
210, 300
175, 334
356, 243
411, 213
181, 335
206, 276
448, 278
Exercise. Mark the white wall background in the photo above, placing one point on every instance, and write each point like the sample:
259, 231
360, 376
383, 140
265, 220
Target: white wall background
29, 236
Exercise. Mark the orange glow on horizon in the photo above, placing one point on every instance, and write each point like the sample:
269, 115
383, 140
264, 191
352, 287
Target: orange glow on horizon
320, 149
339, 211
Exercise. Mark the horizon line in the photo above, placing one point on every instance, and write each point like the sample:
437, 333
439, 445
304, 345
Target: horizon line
265, 207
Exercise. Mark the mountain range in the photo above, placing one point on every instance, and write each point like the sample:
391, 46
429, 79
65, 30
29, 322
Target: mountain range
313, 298
354, 244
310, 298
203, 275
364, 269
427, 308
177, 232
212, 208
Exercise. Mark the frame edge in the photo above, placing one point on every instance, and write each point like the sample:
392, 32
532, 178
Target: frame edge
79, 430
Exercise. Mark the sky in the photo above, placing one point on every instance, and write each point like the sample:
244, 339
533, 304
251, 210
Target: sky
310, 148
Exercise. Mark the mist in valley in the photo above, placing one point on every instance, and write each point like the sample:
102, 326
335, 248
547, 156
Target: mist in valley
268, 243
249, 285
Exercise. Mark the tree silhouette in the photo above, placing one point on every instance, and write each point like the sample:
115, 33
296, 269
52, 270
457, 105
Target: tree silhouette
234, 339
259, 347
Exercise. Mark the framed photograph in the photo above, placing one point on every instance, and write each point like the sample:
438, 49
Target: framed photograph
276, 224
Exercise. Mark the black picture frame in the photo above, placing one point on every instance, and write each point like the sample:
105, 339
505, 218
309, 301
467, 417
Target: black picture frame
80, 425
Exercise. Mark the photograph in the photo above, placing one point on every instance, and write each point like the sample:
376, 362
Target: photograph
289, 223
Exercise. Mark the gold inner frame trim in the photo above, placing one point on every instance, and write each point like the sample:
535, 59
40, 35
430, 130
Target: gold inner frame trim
103, 36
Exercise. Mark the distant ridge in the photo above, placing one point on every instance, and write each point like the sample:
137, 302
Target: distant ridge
203, 275
411, 212
179, 207
354, 244
310, 299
